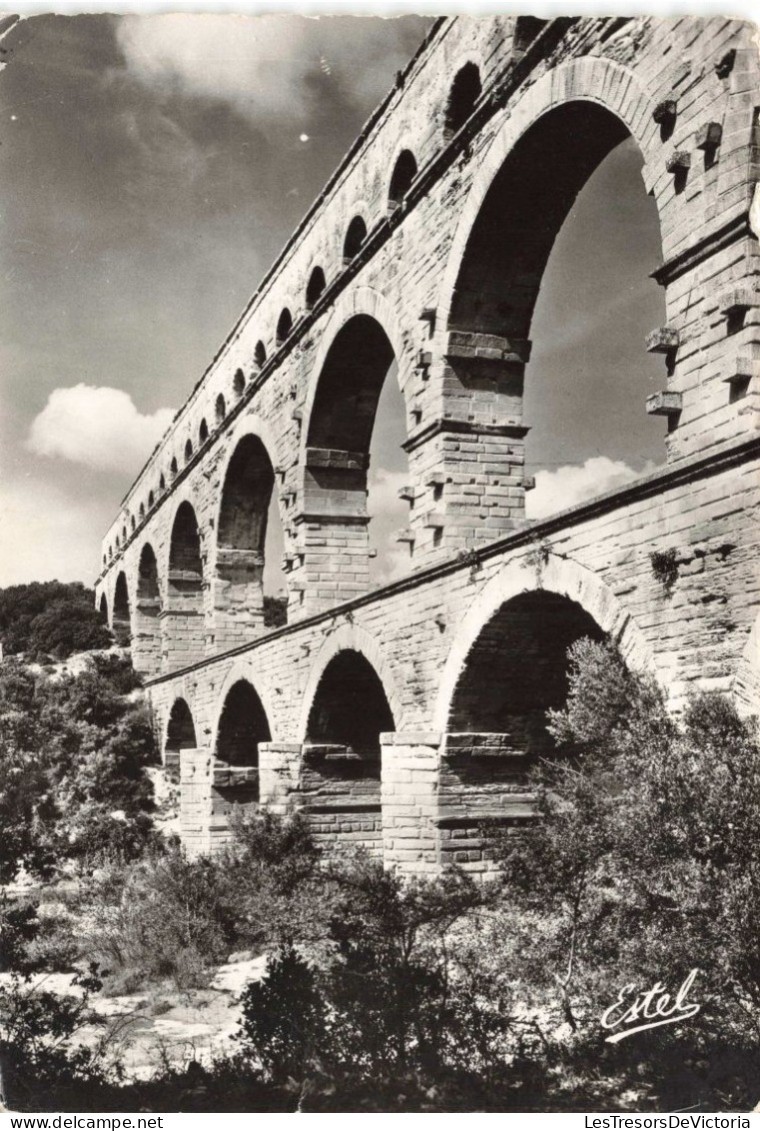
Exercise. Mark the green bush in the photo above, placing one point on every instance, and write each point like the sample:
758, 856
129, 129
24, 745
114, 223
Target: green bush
163, 917
386, 1002
646, 864
43, 1066
285, 1017
73, 752
50, 617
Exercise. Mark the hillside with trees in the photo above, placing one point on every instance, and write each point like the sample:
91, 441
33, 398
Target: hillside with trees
50, 619
381, 994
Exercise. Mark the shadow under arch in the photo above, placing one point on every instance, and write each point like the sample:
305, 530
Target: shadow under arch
350, 707
464, 93
242, 726
517, 671
146, 643
180, 733
356, 640
573, 585
122, 619
342, 769
530, 176
248, 525
341, 414
593, 82
183, 628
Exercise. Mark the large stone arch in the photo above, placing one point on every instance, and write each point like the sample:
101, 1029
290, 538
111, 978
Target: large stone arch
360, 341
242, 725
236, 739
559, 576
350, 638
186, 493
357, 300
121, 610
249, 671
247, 482
146, 644
186, 567
556, 135
610, 85
180, 731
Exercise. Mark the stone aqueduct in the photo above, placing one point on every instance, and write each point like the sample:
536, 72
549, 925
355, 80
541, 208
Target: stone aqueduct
401, 715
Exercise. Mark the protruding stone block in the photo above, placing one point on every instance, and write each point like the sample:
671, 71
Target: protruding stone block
725, 64
335, 458
662, 340
466, 345
739, 377
737, 299
665, 112
428, 315
232, 777
709, 136
664, 404
679, 162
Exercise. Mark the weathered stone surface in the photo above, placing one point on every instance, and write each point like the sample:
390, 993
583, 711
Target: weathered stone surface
288, 417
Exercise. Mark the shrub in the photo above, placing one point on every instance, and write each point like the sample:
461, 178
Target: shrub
285, 1022
386, 1002
19, 927
162, 917
50, 617
273, 873
42, 1065
73, 751
646, 864
275, 611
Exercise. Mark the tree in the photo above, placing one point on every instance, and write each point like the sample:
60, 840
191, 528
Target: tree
386, 1003
73, 752
42, 1067
50, 617
645, 861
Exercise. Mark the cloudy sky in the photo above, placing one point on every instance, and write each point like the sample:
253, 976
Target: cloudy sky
151, 167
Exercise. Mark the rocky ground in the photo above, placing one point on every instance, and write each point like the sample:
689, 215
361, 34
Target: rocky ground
164, 1026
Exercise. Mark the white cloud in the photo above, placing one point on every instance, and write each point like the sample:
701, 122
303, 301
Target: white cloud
389, 516
256, 64
98, 427
260, 64
574, 483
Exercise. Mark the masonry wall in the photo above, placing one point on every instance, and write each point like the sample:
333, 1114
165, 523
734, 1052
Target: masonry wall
686, 90
466, 443
696, 632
